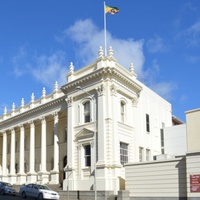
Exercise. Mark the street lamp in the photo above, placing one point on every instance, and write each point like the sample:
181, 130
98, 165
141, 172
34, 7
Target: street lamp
94, 118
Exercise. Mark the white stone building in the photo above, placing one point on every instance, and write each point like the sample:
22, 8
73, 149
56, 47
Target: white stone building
102, 101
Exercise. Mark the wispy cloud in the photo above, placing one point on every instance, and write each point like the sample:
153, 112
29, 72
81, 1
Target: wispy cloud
192, 34
163, 88
89, 38
45, 68
48, 69
156, 44
19, 61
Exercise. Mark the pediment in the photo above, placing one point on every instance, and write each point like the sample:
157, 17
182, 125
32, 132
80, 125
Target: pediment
84, 133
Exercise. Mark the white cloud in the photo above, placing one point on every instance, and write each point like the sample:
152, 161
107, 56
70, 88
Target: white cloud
19, 61
156, 44
164, 89
89, 38
192, 34
48, 69
45, 68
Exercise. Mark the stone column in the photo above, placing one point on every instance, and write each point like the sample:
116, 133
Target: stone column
21, 176
32, 175
12, 158
43, 174
4, 158
55, 171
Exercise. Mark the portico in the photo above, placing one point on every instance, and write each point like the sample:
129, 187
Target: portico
29, 145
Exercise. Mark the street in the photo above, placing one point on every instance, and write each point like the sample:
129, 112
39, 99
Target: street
10, 197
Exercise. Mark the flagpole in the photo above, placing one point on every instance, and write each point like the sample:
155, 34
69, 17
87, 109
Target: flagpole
105, 45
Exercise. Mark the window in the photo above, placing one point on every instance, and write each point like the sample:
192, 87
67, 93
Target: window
162, 138
87, 153
147, 154
140, 154
86, 106
122, 111
147, 123
123, 153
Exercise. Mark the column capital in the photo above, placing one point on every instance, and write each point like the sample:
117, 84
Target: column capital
69, 101
31, 122
101, 90
43, 119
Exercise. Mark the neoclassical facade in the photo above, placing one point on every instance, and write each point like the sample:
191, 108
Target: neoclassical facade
101, 119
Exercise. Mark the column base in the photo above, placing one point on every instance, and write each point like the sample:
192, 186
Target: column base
43, 177
54, 177
21, 179
4, 178
31, 177
12, 178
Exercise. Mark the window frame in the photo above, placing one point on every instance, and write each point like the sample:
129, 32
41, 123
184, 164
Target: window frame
147, 123
87, 155
124, 153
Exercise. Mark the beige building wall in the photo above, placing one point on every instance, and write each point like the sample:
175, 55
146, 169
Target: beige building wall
157, 179
193, 130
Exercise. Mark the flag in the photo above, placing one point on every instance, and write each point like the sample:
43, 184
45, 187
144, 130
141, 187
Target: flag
111, 10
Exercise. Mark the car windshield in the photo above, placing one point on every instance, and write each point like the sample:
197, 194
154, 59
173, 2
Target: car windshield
43, 187
7, 184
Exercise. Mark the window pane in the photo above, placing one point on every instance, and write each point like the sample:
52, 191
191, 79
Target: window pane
87, 112
87, 155
123, 153
147, 123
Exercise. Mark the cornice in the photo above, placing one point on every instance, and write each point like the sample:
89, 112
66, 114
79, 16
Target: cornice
33, 110
106, 72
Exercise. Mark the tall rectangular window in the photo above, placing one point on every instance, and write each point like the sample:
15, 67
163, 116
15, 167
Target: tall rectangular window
87, 154
123, 153
140, 154
87, 112
162, 139
147, 123
147, 154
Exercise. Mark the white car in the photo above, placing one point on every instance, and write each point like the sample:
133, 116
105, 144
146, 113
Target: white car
38, 191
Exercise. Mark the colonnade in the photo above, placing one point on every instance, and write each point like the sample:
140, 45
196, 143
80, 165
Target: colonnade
9, 171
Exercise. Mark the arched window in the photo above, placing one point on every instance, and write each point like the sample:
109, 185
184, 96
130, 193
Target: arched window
87, 113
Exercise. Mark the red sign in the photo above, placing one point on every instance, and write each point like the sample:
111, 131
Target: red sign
195, 183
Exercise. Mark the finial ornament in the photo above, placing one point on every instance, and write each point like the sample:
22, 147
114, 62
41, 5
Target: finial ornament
56, 86
132, 67
43, 92
5, 110
22, 102
32, 97
110, 52
13, 106
71, 67
100, 52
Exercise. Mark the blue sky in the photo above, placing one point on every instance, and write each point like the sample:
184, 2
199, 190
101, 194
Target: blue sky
39, 39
